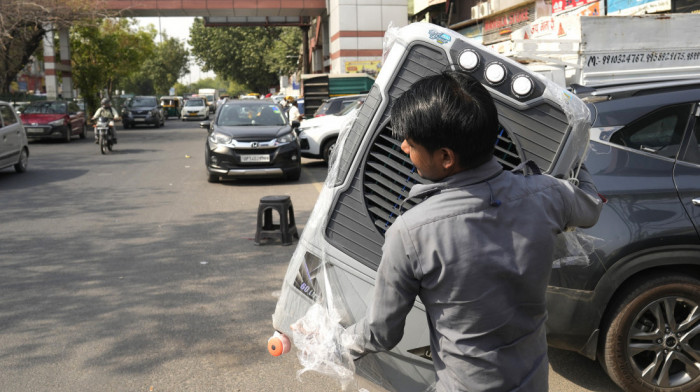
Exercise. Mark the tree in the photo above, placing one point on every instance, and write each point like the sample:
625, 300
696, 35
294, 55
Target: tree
161, 71
23, 25
106, 55
253, 56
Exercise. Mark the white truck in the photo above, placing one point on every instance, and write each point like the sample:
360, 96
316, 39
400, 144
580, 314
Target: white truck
212, 96
607, 50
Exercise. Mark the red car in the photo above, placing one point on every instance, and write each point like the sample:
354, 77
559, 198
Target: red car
54, 120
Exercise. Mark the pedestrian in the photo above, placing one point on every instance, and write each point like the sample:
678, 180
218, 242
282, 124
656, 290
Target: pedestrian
478, 247
293, 111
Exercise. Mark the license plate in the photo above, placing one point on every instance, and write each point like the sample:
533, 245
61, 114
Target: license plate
255, 158
192, 114
35, 130
139, 119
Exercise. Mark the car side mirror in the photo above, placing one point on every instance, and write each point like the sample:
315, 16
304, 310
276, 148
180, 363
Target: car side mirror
205, 124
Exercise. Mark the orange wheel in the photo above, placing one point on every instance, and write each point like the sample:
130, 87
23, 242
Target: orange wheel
278, 344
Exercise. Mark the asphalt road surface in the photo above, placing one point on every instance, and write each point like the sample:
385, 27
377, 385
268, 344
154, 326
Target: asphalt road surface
130, 272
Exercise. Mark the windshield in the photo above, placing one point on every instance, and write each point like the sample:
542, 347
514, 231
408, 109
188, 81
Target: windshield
45, 108
194, 102
254, 113
142, 101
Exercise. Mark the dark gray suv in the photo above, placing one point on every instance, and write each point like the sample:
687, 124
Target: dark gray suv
143, 110
636, 307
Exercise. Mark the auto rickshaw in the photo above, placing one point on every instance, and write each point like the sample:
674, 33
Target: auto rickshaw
172, 106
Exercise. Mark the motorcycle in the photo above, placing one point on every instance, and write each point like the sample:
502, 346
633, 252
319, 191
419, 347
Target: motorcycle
103, 130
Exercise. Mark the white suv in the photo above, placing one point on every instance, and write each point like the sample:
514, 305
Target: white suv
14, 150
318, 135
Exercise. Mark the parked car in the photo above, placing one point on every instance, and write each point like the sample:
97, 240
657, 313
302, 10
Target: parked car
14, 150
195, 108
335, 104
636, 307
318, 135
251, 138
54, 120
143, 110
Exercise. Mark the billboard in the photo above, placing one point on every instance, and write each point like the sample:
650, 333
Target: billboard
637, 7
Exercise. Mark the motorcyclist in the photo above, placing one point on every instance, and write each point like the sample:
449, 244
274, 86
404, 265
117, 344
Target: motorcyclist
107, 111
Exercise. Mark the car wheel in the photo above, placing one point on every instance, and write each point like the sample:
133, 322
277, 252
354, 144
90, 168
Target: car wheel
652, 339
21, 165
83, 132
213, 178
69, 135
125, 125
327, 149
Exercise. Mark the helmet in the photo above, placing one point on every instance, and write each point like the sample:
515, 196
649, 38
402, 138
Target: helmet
104, 102
289, 98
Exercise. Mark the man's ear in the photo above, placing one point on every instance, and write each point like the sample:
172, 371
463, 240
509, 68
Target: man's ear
449, 159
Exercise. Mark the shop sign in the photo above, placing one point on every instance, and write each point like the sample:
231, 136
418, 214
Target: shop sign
637, 7
565, 5
499, 27
369, 67
589, 9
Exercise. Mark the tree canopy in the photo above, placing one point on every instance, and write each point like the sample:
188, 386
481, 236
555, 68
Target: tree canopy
23, 25
160, 71
252, 56
105, 55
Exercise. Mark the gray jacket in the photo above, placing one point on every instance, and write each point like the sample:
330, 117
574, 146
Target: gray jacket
478, 252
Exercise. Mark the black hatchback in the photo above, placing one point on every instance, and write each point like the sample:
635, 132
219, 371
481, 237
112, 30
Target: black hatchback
251, 138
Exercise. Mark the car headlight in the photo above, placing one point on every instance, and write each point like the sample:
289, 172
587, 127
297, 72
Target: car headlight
287, 138
220, 138
57, 123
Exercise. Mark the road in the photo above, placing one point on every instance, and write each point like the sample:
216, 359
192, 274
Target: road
129, 272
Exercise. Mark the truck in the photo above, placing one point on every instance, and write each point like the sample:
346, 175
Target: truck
212, 96
316, 88
609, 50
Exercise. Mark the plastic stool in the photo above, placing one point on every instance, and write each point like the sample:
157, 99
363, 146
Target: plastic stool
283, 205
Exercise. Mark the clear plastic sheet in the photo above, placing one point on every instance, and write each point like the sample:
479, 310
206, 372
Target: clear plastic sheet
573, 248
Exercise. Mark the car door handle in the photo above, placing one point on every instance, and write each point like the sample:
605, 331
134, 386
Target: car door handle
696, 202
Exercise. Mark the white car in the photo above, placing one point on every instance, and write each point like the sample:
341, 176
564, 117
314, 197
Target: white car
14, 150
318, 135
195, 108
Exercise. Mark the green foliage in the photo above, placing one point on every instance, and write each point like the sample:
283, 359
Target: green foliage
161, 71
251, 56
106, 54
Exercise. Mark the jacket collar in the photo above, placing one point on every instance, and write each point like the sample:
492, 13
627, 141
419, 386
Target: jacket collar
479, 174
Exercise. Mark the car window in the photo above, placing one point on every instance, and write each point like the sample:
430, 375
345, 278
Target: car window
143, 102
45, 108
194, 102
350, 108
7, 115
692, 153
251, 114
659, 132
323, 108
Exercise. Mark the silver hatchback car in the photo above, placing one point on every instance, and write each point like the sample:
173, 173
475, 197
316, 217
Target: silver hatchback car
14, 150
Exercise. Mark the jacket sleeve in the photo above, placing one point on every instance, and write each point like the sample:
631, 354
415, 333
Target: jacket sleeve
586, 203
395, 290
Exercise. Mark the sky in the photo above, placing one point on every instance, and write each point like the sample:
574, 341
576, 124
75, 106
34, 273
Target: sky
177, 27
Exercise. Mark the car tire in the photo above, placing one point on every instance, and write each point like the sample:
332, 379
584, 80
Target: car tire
647, 341
23, 162
294, 175
213, 178
327, 149
125, 125
83, 132
69, 135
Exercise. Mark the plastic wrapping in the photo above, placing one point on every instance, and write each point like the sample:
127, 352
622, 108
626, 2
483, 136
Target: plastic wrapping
573, 248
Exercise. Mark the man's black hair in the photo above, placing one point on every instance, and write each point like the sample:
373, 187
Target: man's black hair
451, 110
